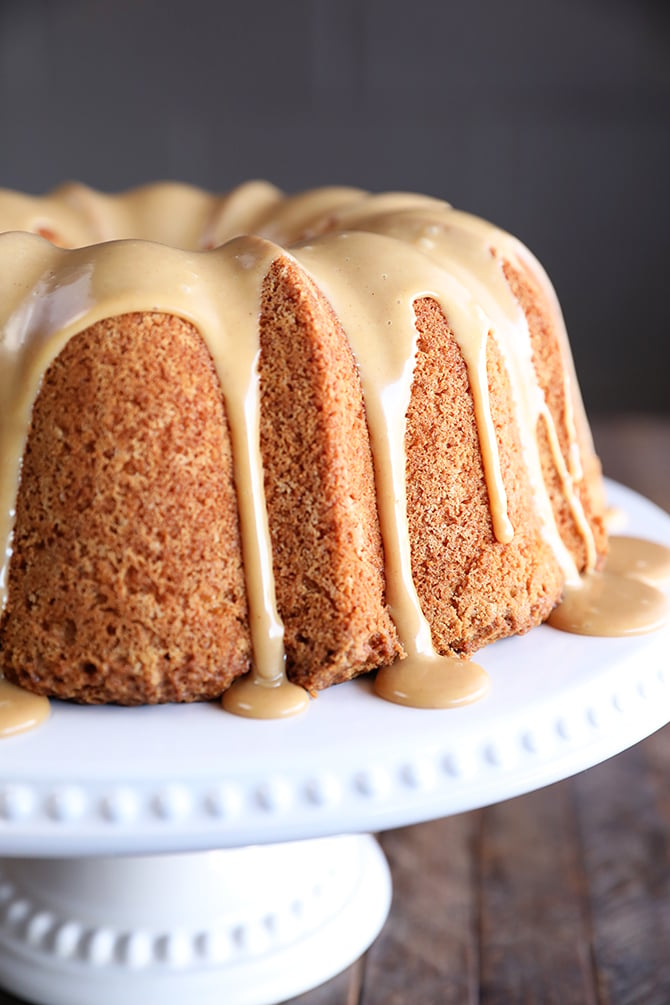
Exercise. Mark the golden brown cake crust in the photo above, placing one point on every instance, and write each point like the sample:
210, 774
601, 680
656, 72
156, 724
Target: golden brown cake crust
472, 588
319, 486
548, 363
126, 582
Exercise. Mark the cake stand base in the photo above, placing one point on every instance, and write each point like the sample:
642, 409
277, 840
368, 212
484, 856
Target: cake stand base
248, 926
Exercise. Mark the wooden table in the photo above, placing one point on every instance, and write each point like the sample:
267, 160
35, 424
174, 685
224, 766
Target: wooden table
560, 897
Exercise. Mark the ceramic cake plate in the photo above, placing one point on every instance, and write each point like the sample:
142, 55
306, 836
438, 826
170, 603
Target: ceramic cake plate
178, 853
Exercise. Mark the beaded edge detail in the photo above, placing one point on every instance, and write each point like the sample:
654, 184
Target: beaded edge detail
229, 812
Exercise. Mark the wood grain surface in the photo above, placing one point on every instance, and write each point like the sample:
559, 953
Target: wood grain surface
559, 897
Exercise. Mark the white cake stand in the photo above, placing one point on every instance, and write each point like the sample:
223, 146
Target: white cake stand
110, 891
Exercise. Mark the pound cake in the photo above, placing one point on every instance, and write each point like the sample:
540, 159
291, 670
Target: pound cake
316, 433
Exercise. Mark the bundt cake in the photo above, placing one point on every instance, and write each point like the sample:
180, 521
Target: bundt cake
322, 431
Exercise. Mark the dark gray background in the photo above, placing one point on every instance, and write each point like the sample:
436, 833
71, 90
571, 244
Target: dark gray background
550, 117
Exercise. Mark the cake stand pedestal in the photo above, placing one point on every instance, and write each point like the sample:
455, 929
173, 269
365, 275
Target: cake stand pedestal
110, 891
249, 926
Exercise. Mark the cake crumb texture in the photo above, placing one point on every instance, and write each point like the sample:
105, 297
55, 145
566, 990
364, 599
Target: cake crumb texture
126, 582
320, 490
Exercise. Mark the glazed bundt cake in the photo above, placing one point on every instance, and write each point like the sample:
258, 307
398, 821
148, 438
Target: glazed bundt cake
352, 436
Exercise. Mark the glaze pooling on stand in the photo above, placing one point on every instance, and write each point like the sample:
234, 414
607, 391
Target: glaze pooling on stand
641, 559
20, 710
255, 698
622, 599
432, 681
605, 604
373, 257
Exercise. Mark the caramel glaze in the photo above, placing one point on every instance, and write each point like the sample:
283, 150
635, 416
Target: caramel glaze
20, 710
622, 599
430, 682
641, 559
608, 604
373, 257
